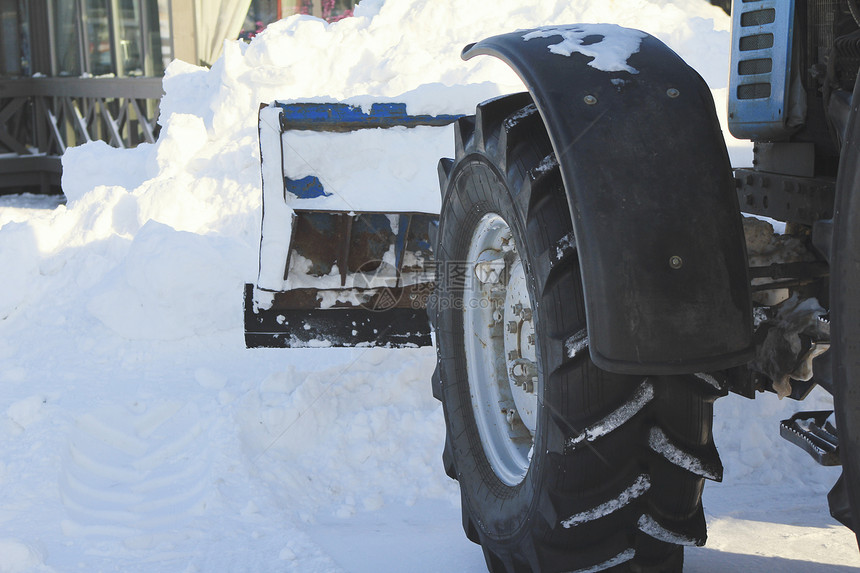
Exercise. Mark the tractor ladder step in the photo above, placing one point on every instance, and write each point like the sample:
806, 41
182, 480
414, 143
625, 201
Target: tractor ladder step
814, 434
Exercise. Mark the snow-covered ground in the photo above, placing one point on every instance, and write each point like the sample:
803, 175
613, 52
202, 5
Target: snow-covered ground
137, 433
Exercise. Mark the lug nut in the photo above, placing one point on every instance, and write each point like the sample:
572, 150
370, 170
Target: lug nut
522, 373
676, 262
513, 326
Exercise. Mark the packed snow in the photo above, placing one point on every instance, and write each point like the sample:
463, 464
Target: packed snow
660, 443
390, 174
644, 394
137, 433
637, 489
609, 54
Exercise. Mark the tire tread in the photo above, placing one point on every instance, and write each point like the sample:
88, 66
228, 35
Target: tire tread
508, 134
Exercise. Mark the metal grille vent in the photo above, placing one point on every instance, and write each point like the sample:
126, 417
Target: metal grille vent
753, 91
761, 54
757, 42
758, 18
752, 67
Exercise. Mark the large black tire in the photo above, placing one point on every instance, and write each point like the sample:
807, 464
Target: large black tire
614, 476
845, 329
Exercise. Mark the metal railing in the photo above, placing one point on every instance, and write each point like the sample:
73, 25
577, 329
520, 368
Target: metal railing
41, 117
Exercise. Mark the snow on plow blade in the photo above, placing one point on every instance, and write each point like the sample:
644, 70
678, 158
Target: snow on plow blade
357, 279
285, 325
345, 252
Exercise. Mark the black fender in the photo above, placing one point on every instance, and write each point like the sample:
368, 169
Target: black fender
656, 219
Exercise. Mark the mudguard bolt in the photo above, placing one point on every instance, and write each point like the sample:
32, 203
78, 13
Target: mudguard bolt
676, 262
672, 92
590, 99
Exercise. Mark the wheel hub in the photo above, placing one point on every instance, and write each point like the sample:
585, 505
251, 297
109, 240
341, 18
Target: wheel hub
499, 338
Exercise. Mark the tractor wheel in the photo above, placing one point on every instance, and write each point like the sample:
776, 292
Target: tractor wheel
845, 331
561, 466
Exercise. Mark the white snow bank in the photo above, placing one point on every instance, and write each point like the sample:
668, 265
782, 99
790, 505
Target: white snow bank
350, 437
167, 284
19, 557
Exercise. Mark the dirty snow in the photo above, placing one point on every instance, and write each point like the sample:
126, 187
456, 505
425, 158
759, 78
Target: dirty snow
644, 394
576, 343
637, 489
137, 433
660, 443
622, 557
704, 376
650, 526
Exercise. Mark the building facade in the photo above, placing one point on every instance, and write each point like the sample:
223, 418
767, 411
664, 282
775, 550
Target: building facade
82, 38
133, 38
73, 71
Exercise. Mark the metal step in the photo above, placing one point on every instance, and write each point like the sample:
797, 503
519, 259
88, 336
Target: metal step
814, 434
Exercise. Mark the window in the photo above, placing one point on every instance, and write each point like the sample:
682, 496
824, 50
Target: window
97, 44
12, 57
67, 40
85, 37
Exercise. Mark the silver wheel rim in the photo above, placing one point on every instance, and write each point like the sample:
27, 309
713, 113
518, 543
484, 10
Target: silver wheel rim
499, 340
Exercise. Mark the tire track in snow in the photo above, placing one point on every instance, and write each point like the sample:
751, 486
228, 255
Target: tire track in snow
137, 473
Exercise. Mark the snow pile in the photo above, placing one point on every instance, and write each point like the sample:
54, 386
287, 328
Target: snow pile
340, 437
136, 433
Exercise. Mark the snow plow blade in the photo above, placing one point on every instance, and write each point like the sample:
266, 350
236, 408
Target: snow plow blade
286, 325
357, 280
342, 263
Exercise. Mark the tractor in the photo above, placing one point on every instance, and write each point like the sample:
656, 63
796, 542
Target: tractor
595, 275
